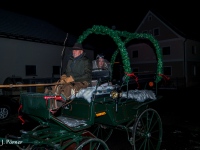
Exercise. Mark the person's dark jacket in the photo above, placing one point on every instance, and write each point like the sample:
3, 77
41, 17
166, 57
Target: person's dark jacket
80, 68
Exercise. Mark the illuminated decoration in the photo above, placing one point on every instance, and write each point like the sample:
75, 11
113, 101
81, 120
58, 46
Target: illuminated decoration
114, 94
115, 35
151, 84
100, 114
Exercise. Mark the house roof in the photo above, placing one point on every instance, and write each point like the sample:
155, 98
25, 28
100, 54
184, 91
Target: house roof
184, 26
13, 25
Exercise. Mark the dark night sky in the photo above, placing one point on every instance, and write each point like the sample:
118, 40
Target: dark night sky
75, 17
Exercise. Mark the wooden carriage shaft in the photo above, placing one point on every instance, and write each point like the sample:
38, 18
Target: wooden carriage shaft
27, 85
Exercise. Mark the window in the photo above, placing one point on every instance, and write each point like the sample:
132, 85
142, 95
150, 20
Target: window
149, 18
134, 54
30, 70
156, 32
166, 50
197, 70
56, 70
194, 50
167, 71
135, 70
145, 31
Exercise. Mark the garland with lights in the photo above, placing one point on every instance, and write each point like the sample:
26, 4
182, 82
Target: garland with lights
115, 35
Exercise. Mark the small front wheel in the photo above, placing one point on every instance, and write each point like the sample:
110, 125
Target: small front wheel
93, 144
101, 131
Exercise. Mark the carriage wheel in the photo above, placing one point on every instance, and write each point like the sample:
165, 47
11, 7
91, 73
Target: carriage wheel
93, 144
147, 131
31, 146
101, 131
40, 147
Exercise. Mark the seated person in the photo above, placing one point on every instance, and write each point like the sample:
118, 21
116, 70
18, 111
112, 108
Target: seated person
100, 63
100, 68
78, 74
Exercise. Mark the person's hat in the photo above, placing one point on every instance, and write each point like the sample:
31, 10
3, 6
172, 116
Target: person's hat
100, 56
77, 46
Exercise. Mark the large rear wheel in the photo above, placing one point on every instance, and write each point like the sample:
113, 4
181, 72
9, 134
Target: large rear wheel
147, 131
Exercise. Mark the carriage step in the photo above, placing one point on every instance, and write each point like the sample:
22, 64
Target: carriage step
71, 122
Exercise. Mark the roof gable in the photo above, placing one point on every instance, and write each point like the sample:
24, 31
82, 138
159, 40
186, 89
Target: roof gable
13, 25
171, 25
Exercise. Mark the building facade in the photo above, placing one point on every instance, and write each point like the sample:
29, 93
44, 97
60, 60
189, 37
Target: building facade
32, 48
181, 55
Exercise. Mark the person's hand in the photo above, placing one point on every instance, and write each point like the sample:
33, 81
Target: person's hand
69, 79
64, 79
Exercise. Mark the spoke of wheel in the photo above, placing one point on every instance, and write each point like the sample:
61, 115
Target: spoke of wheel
102, 132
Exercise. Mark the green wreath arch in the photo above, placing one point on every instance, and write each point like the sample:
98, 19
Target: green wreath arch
115, 34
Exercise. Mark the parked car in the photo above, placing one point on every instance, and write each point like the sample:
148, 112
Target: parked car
8, 106
15, 91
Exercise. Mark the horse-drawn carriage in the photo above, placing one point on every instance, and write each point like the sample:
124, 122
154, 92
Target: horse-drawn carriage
88, 119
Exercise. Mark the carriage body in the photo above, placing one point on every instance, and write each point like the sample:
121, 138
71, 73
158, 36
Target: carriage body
88, 120
102, 109
80, 120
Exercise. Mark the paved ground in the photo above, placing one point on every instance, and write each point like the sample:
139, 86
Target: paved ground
179, 111
180, 115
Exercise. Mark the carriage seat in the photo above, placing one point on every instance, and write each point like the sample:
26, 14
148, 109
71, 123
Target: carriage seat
100, 76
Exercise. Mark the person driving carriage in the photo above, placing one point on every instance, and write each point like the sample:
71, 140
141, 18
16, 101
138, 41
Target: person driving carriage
77, 75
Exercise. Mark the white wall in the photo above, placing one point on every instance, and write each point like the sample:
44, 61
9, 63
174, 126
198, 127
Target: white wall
15, 54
